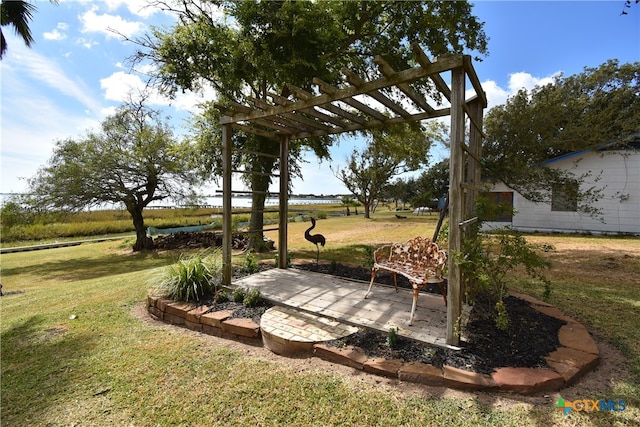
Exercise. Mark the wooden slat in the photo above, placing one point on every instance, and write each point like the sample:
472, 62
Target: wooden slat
478, 127
408, 75
372, 124
255, 130
422, 59
256, 153
475, 81
388, 71
468, 186
471, 153
253, 173
357, 81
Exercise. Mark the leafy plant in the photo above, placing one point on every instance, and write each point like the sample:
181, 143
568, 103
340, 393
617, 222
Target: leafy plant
238, 294
487, 258
192, 278
392, 337
369, 250
221, 296
252, 298
250, 264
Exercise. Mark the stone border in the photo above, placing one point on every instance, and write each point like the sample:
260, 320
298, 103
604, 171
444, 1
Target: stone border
200, 318
577, 354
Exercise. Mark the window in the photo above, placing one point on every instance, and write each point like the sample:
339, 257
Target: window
564, 197
499, 206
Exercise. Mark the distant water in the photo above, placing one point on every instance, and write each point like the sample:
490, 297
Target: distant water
245, 202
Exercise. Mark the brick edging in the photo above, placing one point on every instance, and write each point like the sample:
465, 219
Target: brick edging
200, 318
577, 354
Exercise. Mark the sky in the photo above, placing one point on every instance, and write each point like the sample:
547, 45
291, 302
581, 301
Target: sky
75, 73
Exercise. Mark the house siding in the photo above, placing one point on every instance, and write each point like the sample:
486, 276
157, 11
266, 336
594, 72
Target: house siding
618, 172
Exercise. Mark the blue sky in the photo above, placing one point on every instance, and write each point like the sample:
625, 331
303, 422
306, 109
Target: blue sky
74, 76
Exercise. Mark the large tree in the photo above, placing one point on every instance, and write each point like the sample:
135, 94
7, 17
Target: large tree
133, 160
580, 112
389, 152
249, 49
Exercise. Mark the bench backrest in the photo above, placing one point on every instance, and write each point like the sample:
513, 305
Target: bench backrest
420, 252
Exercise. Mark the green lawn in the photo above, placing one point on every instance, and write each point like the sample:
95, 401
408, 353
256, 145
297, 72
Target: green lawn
73, 351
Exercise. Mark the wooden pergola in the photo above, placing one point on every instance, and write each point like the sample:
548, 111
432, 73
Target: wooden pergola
351, 108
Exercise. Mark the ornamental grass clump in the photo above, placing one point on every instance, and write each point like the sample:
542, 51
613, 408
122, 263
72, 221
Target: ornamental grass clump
193, 278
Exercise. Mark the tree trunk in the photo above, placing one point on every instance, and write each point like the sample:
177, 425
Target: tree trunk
260, 181
367, 210
256, 238
142, 241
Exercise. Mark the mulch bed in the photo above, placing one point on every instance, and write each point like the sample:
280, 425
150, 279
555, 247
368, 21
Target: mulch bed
530, 337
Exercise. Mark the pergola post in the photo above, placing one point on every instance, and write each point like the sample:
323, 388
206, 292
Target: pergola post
474, 172
226, 203
456, 202
283, 202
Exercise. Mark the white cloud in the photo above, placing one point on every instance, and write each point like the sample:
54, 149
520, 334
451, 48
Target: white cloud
86, 43
109, 25
497, 95
56, 34
522, 80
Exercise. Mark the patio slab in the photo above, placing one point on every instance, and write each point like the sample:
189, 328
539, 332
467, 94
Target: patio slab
343, 300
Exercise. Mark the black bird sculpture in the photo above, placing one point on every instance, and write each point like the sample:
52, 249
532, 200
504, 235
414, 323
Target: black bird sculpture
315, 238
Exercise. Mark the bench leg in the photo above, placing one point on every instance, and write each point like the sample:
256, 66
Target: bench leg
443, 290
416, 292
395, 281
373, 276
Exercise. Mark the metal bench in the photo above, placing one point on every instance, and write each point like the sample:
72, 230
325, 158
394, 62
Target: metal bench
419, 260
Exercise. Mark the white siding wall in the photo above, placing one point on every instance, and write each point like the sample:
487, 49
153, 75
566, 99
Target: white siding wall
618, 173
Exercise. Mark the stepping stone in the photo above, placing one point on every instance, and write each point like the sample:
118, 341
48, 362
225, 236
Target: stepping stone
290, 332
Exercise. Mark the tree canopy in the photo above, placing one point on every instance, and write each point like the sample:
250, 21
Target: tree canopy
249, 49
580, 112
133, 160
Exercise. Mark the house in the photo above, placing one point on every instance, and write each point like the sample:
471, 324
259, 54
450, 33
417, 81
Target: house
615, 170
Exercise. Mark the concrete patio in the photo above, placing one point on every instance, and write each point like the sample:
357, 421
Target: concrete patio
342, 300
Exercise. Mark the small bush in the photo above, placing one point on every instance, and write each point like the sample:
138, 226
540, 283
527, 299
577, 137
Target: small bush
392, 338
192, 278
220, 297
252, 298
250, 264
238, 295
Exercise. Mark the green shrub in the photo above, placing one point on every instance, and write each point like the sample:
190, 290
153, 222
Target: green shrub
192, 278
250, 264
321, 215
238, 295
392, 338
252, 298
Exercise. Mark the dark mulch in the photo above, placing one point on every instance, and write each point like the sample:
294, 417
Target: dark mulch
530, 337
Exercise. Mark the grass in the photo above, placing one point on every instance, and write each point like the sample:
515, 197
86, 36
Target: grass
106, 366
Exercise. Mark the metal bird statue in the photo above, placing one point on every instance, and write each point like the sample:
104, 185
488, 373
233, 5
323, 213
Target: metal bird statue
315, 238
